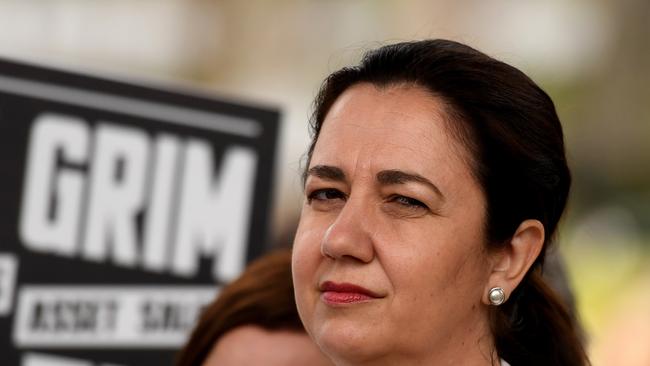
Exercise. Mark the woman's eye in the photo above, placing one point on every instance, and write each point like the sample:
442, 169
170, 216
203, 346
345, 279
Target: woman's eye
409, 202
324, 195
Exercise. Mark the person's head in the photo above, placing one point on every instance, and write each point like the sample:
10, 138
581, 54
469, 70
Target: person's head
435, 174
256, 346
253, 321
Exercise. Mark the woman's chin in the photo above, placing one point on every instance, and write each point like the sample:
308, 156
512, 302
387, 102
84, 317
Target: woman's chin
349, 342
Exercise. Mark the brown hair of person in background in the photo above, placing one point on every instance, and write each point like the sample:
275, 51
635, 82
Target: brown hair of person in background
262, 296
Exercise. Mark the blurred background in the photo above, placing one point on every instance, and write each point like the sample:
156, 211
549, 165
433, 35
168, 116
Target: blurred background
591, 56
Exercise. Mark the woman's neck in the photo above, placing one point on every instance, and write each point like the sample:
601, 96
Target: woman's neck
472, 347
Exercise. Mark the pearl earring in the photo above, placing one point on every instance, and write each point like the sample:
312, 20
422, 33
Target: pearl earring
496, 296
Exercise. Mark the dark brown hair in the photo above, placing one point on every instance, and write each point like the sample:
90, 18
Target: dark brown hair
262, 295
511, 128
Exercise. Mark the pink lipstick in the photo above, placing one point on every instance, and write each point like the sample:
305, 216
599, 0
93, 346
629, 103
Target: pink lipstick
345, 293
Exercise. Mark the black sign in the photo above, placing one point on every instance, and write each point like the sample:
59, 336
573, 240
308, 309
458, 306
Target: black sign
123, 208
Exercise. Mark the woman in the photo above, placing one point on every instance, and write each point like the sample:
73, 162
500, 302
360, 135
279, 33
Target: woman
253, 322
435, 181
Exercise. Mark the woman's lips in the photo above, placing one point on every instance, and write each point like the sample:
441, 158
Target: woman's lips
345, 293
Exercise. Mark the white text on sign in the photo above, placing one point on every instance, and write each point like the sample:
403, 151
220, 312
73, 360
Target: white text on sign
86, 186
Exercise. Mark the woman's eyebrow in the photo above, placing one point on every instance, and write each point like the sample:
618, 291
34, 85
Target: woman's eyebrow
394, 176
327, 172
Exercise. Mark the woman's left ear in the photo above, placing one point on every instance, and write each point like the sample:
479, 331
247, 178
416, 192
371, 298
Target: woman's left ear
510, 264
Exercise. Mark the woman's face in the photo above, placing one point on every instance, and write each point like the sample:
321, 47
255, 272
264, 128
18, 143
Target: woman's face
389, 260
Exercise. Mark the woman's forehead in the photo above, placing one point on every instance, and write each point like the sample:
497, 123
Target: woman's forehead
395, 101
373, 130
398, 125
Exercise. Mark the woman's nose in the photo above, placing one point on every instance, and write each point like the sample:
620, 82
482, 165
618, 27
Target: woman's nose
348, 236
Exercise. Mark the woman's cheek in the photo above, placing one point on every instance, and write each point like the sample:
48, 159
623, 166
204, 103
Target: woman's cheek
306, 252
